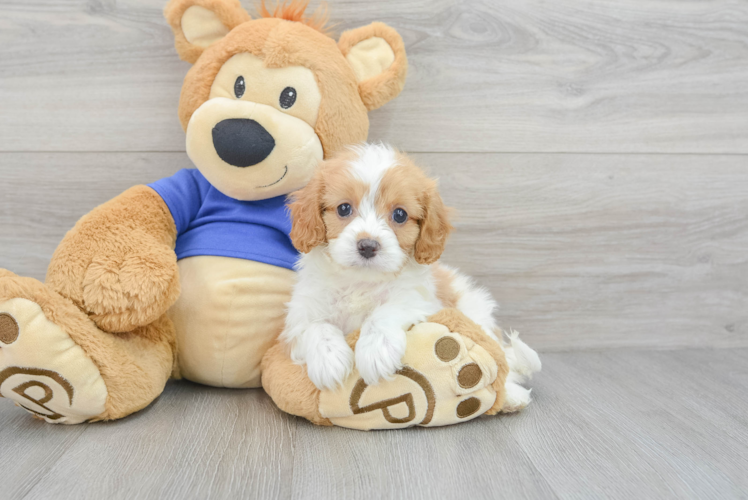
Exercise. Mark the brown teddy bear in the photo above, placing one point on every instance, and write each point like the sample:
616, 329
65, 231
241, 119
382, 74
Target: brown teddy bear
188, 277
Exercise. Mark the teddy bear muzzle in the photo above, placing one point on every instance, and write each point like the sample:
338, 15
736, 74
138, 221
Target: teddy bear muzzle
250, 150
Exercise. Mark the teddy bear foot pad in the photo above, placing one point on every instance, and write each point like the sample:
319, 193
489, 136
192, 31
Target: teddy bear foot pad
447, 378
43, 370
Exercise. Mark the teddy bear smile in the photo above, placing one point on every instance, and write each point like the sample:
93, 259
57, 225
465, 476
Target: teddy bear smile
285, 171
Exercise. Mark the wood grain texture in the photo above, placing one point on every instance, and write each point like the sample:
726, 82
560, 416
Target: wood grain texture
510, 76
591, 251
581, 251
654, 418
195, 442
28, 450
479, 461
606, 424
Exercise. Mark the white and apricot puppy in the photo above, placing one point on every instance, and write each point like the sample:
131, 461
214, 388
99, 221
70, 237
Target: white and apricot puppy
372, 226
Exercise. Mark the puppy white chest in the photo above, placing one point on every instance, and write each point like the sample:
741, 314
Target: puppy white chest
361, 302
355, 303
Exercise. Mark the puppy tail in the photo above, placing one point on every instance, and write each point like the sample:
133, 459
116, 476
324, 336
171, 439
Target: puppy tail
522, 359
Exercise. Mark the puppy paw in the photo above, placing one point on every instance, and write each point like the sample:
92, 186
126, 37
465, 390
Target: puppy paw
379, 355
329, 359
517, 398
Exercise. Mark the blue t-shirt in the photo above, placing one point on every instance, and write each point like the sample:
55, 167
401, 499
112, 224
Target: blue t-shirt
210, 223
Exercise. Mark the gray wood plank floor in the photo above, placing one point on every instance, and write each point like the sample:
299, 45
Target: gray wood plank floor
597, 155
615, 424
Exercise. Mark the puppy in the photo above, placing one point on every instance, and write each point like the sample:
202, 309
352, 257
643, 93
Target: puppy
372, 226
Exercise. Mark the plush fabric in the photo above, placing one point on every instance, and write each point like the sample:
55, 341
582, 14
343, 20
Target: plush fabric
343, 110
370, 58
264, 84
290, 164
342, 117
112, 294
134, 367
295, 10
230, 312
376, 90
452, 372
118, 261
210, 223
457, 322
69, 387
289, 386
201, 25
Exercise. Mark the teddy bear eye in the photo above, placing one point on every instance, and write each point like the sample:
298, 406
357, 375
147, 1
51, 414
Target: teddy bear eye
287, 97
345, 209
399, 215
239, 87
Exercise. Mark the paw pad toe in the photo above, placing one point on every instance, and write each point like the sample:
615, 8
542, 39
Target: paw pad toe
469, 376
8, 328
447, 349
468, 407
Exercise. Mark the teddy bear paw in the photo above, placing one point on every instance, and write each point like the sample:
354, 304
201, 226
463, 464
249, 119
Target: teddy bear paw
41, 368
445, 378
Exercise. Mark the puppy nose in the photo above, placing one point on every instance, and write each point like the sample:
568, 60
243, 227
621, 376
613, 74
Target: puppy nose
242, 142
368, 248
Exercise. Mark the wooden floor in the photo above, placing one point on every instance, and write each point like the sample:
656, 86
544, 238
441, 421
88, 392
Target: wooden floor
614, 424
597, 155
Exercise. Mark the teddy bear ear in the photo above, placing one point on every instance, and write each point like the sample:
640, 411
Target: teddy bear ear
377, 55
197, 24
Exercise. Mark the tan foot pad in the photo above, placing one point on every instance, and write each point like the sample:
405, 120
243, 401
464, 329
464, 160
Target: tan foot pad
445, 379
43, 370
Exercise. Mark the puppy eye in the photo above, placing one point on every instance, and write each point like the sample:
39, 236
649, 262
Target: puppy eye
287, 97
399, 215
344, 209
239, 87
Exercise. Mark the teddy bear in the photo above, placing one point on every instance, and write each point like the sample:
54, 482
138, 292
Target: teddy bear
188, 277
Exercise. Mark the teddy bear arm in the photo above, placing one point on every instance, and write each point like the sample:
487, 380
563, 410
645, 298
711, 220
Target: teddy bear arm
118, 263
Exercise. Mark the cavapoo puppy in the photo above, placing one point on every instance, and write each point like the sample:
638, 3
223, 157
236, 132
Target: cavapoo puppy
372, 226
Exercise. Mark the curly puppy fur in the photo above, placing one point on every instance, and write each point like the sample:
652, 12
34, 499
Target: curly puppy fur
372, 227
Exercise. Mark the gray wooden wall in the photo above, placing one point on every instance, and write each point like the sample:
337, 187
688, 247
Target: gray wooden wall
596, 151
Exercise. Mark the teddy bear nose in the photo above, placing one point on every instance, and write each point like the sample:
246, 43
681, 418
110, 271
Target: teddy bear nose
368, 248
242, 142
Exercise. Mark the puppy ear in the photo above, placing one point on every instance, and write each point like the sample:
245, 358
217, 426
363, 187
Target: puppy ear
435, 227
308, 229
197, 24
377, 55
